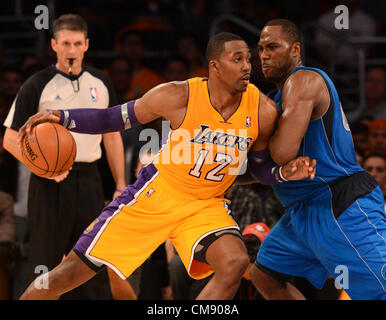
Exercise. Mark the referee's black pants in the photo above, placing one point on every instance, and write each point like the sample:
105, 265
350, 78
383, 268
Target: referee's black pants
58, 213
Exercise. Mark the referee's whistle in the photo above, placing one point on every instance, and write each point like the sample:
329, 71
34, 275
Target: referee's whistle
70, 62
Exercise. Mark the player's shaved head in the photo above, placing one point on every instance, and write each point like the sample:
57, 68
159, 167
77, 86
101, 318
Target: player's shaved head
216, 44
288, 28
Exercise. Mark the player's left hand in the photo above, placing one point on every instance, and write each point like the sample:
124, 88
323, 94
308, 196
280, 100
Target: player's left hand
299, 168
61, 177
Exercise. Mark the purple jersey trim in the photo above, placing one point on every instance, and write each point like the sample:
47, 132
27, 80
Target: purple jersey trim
128, 195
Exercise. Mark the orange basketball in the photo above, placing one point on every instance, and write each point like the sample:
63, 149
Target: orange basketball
49, 151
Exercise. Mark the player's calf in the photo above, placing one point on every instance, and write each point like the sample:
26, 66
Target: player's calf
229, 260
272, 288
69, 274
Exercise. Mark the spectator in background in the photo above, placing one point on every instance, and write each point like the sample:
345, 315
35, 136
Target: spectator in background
375, 164
121, 74
144, 78
375, 89
11, 79
176, 69
377, 137
189, 48
359, 135
30, 66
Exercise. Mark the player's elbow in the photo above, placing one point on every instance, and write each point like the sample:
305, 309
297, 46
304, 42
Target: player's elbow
282, 154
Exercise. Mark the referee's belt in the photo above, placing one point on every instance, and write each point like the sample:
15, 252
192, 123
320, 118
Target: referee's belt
84, 166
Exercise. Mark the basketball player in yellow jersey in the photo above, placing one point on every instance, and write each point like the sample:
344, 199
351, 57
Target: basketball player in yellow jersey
215, 123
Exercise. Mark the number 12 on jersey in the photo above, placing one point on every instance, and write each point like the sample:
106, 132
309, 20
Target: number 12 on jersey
223, 160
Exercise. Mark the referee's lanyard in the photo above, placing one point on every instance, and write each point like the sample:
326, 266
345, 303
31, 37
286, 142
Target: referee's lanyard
75, 86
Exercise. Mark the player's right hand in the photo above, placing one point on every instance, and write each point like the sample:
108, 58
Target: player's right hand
299, 168
42, 116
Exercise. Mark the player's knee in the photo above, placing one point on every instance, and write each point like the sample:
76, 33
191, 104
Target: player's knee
235, 265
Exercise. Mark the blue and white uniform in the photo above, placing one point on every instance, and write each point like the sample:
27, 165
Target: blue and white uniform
335, 224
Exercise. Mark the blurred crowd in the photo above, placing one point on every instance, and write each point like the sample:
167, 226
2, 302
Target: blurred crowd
142, 43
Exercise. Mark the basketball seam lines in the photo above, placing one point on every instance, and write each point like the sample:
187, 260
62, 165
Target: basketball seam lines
57, 153
69, 157
41, 152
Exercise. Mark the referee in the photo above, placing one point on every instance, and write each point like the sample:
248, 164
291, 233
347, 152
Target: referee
59, 209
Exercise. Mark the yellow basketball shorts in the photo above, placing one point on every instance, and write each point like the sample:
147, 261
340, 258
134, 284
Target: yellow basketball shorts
146, 214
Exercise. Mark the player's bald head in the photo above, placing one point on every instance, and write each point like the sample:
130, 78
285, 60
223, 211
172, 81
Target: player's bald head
288, 29
216, 44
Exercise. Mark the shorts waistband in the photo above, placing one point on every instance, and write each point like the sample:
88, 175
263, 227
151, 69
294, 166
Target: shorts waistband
346, 190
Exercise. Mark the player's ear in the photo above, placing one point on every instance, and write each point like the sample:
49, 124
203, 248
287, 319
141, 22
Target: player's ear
53, 44
213, 65
87, 43
296, 46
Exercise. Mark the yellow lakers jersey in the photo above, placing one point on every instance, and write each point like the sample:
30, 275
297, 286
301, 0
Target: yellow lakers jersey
206, 153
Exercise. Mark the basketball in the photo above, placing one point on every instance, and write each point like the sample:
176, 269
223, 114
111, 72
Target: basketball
49, 151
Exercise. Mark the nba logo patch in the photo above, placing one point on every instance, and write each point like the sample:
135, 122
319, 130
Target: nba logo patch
150, 192
248, 121
91, 226
94, 94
